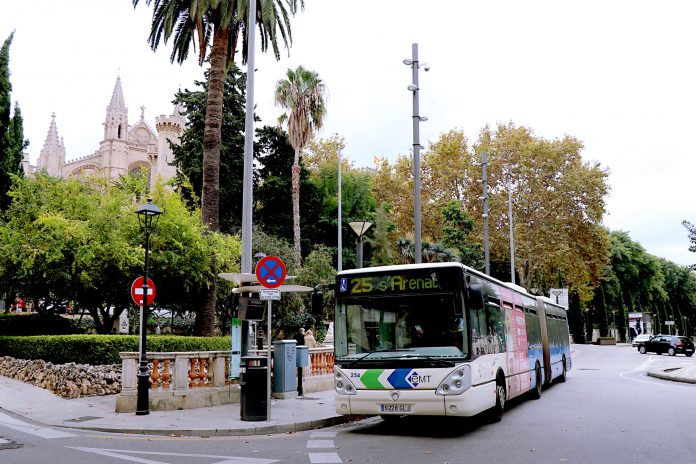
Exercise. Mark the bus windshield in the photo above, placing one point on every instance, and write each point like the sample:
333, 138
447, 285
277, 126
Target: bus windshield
403, 326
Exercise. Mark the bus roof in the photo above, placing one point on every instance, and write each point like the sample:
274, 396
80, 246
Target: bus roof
398, 267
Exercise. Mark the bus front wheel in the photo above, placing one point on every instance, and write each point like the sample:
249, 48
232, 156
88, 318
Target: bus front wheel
495, 414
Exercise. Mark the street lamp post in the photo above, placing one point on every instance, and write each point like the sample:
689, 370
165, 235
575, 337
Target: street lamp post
359, 227
484, 182
148, 215
417, 118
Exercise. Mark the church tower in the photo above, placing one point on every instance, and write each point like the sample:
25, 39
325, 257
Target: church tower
114, 147
170, 129
52, 156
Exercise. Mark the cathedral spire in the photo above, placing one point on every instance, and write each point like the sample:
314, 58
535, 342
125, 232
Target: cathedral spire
116, 122
117, 100
52, 142
52, 154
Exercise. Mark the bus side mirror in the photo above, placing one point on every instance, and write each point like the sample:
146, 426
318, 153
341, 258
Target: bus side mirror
475, 294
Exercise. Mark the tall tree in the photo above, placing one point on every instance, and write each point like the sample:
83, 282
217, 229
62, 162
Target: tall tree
187, 154
303, 94
273, 199
12, 143
216, 24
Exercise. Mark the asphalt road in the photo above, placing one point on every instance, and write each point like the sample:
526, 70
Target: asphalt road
608, 411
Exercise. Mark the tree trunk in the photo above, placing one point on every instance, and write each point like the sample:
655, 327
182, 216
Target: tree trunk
296, 208
210, 196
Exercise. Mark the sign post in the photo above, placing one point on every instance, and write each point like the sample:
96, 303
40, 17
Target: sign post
271, 273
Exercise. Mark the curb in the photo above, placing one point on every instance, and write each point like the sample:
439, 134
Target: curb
243, 432
664, 375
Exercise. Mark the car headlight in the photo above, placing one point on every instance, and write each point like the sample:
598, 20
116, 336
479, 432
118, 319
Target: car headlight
456, 383
342, 385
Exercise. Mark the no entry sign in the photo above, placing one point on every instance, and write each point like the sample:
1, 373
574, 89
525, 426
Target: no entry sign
137, 291
270, 272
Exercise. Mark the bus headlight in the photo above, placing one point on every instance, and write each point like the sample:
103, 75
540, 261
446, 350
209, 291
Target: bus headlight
457, 382
342, 385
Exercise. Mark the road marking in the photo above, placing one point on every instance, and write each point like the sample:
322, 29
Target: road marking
42, 432
646, 364
126, 456
324, 458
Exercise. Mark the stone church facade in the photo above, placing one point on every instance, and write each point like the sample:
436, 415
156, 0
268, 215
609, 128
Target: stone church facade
124, 148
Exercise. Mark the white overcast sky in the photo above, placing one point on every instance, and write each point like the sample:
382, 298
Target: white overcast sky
618, 75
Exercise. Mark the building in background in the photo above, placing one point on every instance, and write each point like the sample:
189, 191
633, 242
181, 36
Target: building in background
124, 148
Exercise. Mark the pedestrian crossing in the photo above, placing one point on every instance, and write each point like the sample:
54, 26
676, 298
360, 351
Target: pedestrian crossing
322, 441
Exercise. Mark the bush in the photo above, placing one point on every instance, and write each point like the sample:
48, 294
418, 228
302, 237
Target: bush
100, 349
36, 324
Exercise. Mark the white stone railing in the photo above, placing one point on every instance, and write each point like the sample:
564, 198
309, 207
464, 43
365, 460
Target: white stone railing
179, 380
183, 380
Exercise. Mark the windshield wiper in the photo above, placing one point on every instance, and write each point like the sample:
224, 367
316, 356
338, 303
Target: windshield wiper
356, 361
440, 361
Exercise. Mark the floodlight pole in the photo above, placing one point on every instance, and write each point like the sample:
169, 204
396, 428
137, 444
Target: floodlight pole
248, 181
418, 248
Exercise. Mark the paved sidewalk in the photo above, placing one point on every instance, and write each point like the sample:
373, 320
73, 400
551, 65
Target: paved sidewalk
96, 413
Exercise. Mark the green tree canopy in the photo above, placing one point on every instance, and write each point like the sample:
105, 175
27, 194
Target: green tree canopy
12, 143
69, 240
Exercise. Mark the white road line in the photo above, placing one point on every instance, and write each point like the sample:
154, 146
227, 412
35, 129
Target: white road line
324, 458
320, 444
126, 456
43, 432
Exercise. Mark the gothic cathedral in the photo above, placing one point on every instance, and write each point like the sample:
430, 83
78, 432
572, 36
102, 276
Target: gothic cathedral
123, 149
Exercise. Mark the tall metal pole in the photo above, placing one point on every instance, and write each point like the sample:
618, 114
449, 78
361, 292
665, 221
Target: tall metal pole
143, 400
418, 253
486, 252
512, 239
340, 226
359, 252
248, 182
268, 361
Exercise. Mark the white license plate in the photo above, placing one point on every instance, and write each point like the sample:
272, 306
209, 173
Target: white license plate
395, 407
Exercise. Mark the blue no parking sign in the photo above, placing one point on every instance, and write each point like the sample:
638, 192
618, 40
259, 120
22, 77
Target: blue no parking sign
270, 272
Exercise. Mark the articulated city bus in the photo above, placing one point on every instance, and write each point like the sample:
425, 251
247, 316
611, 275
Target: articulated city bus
441, 340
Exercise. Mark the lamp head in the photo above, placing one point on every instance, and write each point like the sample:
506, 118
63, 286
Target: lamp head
408, 62
148, 214
360, 227
412, 87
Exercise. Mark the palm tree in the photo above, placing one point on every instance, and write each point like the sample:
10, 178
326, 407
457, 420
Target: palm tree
216, 24
303, 93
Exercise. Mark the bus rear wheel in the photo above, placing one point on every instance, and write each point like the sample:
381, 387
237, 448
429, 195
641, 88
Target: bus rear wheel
536, 393
562, 378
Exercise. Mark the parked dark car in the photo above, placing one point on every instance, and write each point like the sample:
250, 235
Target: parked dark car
670, 344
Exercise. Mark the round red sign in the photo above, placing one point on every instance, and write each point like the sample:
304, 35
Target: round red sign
137, 291
270, 272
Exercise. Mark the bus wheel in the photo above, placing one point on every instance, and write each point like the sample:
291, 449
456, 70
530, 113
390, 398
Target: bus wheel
495, 414
536, 393
563, 376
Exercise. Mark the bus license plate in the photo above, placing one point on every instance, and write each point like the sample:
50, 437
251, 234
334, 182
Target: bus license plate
395, 407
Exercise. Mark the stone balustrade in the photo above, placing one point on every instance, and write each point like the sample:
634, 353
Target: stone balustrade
186, 380
179, 380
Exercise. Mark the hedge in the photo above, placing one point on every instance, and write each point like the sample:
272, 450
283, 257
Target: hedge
36, 324
100, 349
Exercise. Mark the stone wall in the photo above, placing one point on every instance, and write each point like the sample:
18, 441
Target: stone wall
67, 380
